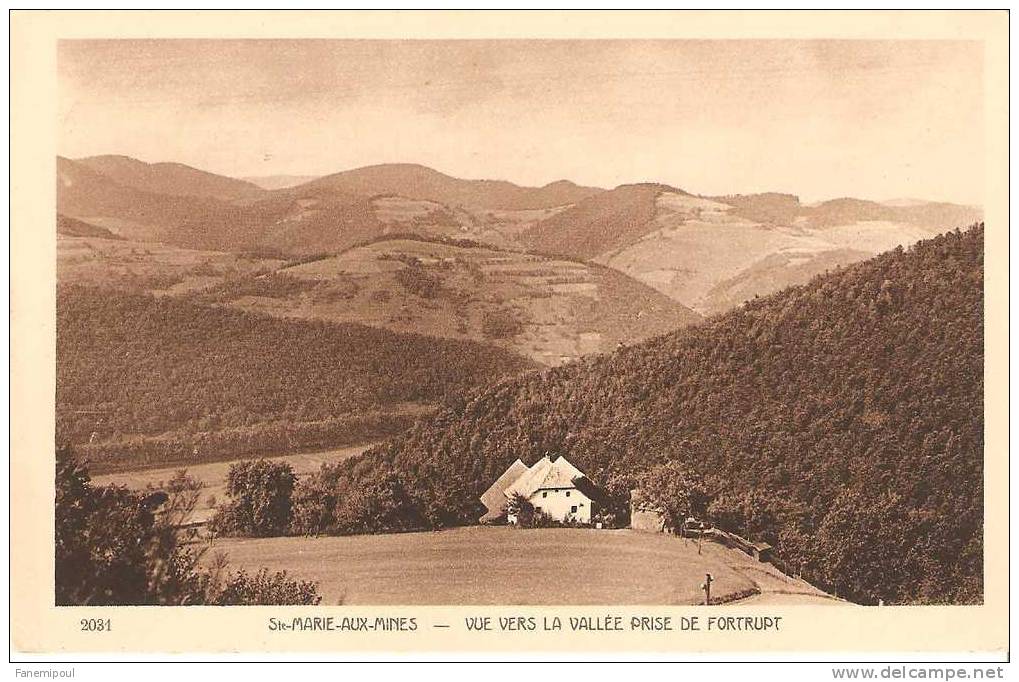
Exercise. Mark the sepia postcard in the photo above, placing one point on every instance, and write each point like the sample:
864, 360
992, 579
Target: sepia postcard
536, 332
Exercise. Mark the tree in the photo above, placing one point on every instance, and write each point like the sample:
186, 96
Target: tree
114, 546
675, 490
314, 508
261, 499
752, 514
377, 505
521, 509
101, 538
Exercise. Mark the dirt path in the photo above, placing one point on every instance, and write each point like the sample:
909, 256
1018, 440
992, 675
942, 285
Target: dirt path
777, 587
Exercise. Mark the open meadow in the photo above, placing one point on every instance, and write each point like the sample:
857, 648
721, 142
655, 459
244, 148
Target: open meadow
506, 565
213, 475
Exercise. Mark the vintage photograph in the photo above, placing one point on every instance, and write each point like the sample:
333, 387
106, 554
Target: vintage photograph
519, 322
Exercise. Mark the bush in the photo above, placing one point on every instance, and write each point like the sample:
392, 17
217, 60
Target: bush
261, 499
314, 510
521, 509
501, 323
264, 588
378, 505
419, 282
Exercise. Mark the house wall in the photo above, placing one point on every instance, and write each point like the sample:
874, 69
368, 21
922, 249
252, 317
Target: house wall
559, 503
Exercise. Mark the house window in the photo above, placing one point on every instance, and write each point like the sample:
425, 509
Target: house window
544, 494
567, 493
573, 509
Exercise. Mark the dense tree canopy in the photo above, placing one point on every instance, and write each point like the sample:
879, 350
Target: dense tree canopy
841, 421
131, 365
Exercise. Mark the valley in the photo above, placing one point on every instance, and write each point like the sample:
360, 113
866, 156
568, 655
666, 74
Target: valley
773, 352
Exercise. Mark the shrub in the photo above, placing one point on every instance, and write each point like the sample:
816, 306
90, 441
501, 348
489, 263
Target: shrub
419, 282
314, 509
521, 509
501, 323
377, 505
264, 588
261, 499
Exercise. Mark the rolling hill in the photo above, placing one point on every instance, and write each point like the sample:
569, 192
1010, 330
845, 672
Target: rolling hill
174, 179
70, 227
133, 213
548, 309
706, 253
155, 380
174, 204
420, 182
841, 421
598, 224
710, 253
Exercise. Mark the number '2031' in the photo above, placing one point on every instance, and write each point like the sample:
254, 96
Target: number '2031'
96, 625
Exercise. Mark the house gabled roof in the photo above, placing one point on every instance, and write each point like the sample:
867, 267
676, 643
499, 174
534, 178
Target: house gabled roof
545, 475
525, 485
493, 498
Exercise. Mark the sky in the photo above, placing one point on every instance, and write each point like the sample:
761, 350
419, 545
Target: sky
820, 119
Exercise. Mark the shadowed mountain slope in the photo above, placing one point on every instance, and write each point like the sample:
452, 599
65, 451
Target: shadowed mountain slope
841, 421
171, 178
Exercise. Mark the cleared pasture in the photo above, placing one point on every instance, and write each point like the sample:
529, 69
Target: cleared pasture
213, 475
504, 565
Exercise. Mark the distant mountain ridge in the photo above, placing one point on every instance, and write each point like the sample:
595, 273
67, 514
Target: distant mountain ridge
171, 178
271, 182
420, 182
705, 252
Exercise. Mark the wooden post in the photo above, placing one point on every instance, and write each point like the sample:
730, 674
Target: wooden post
706, 586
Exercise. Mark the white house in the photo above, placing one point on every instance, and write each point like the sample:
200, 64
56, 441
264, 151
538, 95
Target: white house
550, 486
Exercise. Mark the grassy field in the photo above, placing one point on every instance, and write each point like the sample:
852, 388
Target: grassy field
563, 309
149, 266
503, 565
213, 475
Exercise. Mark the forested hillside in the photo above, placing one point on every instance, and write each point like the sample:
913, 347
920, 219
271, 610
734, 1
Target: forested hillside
599, 223
841, 421
136, 365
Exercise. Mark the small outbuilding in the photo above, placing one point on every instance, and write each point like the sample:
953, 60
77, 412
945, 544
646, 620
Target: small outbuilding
761, 551
645, 516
